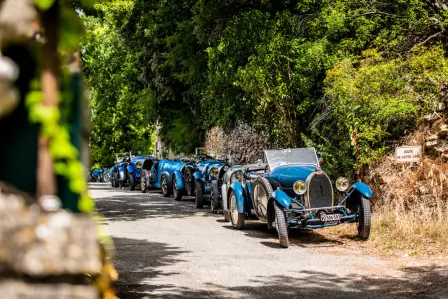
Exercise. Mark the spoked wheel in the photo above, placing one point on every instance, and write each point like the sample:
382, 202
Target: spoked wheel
143, 182
236, 218
177, 194
262, 194
164, 183
364, 218
199, 199
189, 182
281, 225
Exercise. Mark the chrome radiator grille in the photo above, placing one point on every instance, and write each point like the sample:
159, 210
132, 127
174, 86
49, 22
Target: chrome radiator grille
320, 191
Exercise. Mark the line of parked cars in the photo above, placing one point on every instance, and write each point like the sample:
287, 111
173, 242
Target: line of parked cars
286, 189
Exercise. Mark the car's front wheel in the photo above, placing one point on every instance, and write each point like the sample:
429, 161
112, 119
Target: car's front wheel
364, 218
199, 199
131, 181
236, 218
116, 181
164, 185
177, 193
281, 225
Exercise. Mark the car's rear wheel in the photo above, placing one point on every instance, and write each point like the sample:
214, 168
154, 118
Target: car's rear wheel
364, 218
177, 194
164, 185
131, 181
143, 181
236, 218
189, 182
262, 194
199, 199
281, 225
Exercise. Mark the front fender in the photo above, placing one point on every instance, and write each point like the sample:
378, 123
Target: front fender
363, 189
282, 198
197, 175
237, 189
179, 180
130, 168
122, 173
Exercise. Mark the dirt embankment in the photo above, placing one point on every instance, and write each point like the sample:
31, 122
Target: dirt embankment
410, 201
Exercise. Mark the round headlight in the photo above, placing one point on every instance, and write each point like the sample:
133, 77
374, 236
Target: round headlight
138, 164
225, 168
299, 187
214, 171
342, 184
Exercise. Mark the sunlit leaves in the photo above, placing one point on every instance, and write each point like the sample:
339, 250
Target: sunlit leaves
44, 4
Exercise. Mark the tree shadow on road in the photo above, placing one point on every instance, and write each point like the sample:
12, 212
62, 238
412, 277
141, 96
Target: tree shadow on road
297, 237
117, 205
140, 263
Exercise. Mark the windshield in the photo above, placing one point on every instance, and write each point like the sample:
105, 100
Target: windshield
280, 157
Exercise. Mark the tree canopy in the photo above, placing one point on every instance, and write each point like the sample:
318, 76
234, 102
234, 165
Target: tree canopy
307, 72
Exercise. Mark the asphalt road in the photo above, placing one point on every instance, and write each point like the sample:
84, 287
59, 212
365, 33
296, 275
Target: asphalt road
168, 249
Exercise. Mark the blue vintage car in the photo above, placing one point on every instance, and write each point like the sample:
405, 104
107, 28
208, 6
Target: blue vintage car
126, 170
289, 190
207, 180
167, 175
96, 175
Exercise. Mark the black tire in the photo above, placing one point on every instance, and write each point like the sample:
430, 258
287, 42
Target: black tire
131, 182
198, 196
364, 219
214, 197
164, 185
189, 182
177, 194
112, 183
236, 218
262, 194
121, 184
116, 182
281, 225
143, 187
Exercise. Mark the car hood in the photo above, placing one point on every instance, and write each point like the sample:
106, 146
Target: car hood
289, 174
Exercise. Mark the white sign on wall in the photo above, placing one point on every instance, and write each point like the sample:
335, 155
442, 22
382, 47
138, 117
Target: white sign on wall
405, 154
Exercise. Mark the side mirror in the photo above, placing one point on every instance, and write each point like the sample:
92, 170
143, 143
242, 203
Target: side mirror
321, 161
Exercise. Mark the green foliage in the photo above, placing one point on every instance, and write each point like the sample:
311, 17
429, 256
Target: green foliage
306, 72
381, 99
122, 111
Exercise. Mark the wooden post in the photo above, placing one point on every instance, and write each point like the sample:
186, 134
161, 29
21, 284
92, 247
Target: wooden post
46, 181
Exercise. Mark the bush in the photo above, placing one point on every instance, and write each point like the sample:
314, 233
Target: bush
370, 105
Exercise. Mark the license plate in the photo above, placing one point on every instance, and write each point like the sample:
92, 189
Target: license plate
330, 217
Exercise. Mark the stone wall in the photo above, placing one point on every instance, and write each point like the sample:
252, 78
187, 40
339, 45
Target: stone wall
244, 144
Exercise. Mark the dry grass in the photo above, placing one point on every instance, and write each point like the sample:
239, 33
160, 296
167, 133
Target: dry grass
410, 207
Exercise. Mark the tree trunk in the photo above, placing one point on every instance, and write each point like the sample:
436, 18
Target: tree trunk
46, 181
